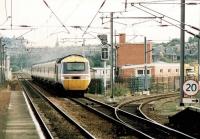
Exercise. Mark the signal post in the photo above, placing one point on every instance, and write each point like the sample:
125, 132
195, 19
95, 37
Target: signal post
104, 54
104, 57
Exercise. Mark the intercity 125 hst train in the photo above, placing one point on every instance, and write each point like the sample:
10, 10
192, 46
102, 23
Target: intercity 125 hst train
71, 72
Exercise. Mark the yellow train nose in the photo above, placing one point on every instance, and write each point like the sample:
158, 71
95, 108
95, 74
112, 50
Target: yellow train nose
73, 84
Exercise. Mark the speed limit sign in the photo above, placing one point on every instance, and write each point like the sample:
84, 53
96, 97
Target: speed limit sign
190, 87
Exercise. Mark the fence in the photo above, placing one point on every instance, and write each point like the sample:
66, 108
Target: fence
154, 84
137, 84
96, 86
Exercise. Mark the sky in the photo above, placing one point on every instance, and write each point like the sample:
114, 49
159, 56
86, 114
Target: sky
45, 29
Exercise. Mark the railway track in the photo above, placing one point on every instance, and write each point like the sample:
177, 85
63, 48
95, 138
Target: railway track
139, 124
148, 105
135, 106
127, 123
54, 122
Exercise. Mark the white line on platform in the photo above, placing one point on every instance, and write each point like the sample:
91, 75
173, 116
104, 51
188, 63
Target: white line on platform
40, 133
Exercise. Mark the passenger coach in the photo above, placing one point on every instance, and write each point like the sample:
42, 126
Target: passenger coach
71, 72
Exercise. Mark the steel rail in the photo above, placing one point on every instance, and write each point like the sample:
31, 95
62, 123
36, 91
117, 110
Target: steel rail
90, 107
146, 102
84, 132
158, 128
150, 121
43, 126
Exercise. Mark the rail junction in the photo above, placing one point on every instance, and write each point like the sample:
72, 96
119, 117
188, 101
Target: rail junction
54, 117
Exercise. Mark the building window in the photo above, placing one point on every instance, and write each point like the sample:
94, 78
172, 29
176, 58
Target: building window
148, 71
169, 70
177, 70
161, 70
140, 71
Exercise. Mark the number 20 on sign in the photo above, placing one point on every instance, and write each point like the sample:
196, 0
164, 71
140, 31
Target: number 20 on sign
190, 87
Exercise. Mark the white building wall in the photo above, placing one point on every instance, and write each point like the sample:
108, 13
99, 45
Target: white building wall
98, 73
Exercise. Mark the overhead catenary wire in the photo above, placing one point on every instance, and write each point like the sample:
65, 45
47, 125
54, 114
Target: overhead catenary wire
168, 22
11, 16
160, 1
24, 33
193, 27
125, 6
70, 14
4, 21
94, 18
178, 3
5, 6
56, 16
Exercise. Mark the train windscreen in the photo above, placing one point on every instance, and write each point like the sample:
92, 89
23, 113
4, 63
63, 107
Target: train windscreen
73, 66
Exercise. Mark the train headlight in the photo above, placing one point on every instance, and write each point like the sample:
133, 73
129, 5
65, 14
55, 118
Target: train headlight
62, 78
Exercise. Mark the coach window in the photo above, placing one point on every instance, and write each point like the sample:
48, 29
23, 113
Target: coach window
140, 72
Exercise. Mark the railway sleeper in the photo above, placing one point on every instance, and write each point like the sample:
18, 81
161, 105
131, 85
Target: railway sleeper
122, 131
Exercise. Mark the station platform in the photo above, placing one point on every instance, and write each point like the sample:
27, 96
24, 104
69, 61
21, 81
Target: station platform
20, 122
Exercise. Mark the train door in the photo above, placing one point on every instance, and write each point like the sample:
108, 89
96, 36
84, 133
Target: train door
56, 72
59, 73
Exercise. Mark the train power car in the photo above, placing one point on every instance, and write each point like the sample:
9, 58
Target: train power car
71, 72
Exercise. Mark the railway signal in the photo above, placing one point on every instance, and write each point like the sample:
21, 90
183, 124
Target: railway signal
104, 53
103, 38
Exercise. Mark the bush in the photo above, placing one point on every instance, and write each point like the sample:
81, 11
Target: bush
119, 90
96, 86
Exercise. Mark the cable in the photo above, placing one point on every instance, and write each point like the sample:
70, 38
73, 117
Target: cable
125, 5
24, 33
169, 22
94, 17
11, 15
5, 5
70, 14
170, 18
73, 11
4, 22
189, 2
56, 16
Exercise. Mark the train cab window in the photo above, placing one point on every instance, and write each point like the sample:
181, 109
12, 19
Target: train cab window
73, 66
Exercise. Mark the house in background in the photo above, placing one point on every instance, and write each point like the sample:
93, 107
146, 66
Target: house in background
158, 69
131, 53
131, 58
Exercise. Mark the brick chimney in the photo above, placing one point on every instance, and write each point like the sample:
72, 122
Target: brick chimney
122, 38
